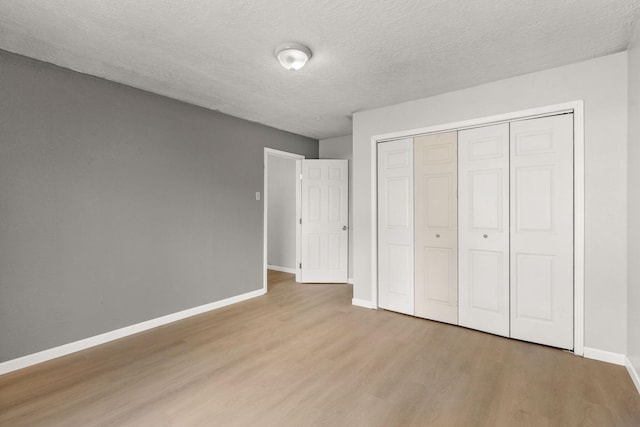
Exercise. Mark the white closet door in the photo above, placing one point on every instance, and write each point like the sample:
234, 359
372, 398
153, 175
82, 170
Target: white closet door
395, 226
542, 230
436, 226
483, 218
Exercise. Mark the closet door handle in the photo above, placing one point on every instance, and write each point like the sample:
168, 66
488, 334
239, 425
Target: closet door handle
437, 235
485, 235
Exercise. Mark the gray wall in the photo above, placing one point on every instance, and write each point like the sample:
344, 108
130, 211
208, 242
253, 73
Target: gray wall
633, 297
281, 227
118, 206
602, 84
341, 147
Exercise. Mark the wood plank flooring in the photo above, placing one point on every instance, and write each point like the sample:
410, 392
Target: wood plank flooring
302, 355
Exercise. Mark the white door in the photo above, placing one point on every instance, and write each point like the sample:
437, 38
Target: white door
324, 236
542, 230
395, 226
483, 218
436, 226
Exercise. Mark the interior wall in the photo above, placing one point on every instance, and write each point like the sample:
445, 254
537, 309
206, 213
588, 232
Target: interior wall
633, 297
118, 206
281, 218
602, 84
341, 147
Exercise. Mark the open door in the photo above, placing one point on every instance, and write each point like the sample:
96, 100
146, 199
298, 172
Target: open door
324, 221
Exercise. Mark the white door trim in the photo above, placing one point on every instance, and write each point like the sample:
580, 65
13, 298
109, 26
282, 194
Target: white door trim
577, 107
265, 191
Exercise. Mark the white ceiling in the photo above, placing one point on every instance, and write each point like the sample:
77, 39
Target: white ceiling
219, 53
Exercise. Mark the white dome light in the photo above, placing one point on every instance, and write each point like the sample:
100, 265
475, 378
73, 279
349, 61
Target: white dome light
292, 56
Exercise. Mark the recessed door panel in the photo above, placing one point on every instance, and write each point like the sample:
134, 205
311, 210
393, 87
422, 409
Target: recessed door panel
440, 192
534, 197
483, 215
313, 250
486, 200
335, 207
395, 226
435, 180
533, 142
533, 297
486, 280
399, 275
439, 264
439, 153
313, 203
395, 158
335, 252
398, 194
542, 230
335, 174
485, 147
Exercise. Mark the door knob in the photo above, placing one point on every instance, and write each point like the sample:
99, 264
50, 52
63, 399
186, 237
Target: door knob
344, 227
437, 235
485, 235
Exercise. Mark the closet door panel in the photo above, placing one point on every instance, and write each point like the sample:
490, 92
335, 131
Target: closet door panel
486, 281
435, 183
395, 226
542, 230
483, 217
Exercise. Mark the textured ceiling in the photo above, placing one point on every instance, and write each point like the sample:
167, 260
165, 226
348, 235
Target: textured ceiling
219, 53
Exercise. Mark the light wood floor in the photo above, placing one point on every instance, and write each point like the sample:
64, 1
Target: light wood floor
303, 356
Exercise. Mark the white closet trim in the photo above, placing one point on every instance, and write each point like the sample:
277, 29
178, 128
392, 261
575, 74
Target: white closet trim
577, 108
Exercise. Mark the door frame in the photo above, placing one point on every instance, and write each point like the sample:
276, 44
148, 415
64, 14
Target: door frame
265, 208
575, 107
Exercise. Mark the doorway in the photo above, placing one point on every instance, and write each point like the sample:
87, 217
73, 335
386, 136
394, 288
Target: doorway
281, 208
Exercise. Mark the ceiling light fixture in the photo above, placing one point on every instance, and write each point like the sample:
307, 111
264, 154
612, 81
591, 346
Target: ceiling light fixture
292, 56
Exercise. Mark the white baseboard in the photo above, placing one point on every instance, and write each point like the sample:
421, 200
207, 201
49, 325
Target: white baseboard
362, 303
283, 269
633, 373
604, 356
63, 350
350, 280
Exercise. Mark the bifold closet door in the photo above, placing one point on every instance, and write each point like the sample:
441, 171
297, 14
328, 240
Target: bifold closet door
483, 219
542, 230
436, 227
395, 226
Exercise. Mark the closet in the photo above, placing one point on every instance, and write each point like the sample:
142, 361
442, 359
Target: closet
475, 228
